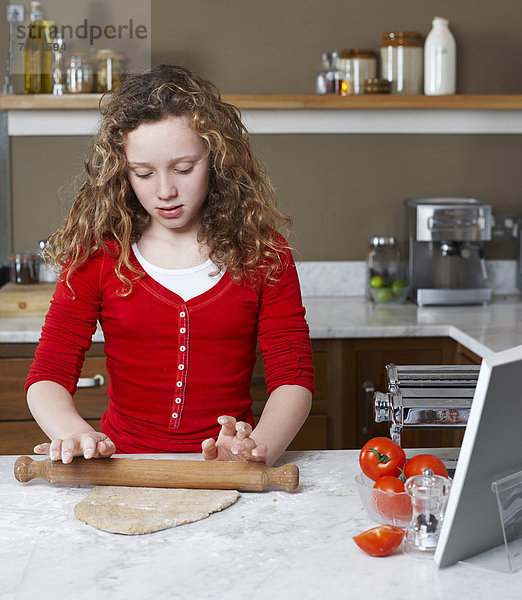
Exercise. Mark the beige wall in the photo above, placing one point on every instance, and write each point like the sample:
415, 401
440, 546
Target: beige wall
340, 189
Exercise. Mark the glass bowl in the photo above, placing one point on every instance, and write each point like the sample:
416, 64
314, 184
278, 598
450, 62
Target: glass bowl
384, 507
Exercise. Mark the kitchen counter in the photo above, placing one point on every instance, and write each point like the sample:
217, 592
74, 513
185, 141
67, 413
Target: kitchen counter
482, 329
268, 545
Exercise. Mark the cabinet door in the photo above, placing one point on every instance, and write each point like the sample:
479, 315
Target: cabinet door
463, 356
315, 433
18, 431
371, 357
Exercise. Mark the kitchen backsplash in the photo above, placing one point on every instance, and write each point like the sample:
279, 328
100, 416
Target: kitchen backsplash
347, 278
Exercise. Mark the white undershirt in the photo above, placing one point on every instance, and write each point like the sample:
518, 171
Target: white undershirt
186, 283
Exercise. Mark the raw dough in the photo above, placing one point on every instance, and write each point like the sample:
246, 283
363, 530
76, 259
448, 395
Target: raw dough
133, 510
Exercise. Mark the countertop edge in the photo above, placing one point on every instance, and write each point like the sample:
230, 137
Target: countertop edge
481, 329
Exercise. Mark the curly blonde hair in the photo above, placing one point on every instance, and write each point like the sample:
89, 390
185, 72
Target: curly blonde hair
239, 220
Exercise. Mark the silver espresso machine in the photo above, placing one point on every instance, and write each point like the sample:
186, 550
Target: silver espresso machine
446, 263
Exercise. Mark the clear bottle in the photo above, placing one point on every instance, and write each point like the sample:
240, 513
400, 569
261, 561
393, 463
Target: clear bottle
37, 54
440, 60
335, 75
58, 65
383, 265
329, 79
321, 81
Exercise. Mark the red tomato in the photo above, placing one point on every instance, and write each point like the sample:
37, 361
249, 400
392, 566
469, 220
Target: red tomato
380, 541
381, 456
393, 503
417, 464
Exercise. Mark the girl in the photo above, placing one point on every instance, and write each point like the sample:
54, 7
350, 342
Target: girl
171, 245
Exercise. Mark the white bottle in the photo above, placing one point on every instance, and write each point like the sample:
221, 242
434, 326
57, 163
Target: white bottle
440, 60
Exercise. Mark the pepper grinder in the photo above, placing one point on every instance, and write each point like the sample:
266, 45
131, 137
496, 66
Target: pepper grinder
429, 496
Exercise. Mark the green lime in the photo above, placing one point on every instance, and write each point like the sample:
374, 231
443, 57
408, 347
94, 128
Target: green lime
398, 287
377, 281
383, 295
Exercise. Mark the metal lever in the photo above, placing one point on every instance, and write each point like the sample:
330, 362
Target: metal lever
91, 382
368, 389
382, 407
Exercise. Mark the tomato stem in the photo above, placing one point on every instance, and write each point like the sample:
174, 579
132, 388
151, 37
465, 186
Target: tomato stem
381, 458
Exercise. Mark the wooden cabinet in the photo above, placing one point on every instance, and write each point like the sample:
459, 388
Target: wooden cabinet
346, 374
368, 358
464, 356
18, 431
323, 428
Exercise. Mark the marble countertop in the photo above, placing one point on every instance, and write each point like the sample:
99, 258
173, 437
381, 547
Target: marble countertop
270, 545
483, 329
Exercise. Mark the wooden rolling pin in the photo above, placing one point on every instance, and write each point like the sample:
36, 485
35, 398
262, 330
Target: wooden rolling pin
143, 472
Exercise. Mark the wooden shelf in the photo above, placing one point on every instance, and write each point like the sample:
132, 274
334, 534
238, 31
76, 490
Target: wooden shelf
49, 102
376, 102
292, 102
78, 114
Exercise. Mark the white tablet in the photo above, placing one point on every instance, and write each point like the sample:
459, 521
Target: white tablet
491, 449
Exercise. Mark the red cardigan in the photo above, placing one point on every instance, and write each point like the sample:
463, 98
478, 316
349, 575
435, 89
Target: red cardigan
174, 366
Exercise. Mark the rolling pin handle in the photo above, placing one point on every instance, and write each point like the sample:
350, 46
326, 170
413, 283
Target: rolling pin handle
286, 477
23, 469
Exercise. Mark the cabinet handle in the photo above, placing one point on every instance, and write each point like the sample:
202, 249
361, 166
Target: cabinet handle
368, 389
90, 382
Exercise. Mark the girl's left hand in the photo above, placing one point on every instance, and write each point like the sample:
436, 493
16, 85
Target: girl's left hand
233, 443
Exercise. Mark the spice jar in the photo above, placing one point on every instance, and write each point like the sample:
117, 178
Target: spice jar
110, 69
357, 65
24, 268
402, 61
80, 76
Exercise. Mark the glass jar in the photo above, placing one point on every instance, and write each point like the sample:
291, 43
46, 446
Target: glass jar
356, 65
80, 75
402, 61
110, 69
385, 280
24, 268
47, 273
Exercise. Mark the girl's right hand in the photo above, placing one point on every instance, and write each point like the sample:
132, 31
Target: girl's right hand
89, 445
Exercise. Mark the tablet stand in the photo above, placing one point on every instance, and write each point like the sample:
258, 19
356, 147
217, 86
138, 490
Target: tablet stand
507, 557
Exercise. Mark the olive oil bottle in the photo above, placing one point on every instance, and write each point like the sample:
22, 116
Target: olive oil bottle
37, 54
